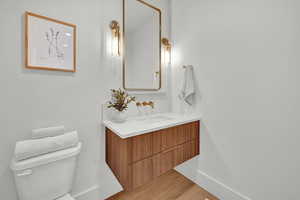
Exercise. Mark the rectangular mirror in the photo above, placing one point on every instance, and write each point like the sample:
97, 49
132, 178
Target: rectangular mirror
141, 46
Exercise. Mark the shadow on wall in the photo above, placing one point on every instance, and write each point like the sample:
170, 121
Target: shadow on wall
6, 174
198, 169
209, 149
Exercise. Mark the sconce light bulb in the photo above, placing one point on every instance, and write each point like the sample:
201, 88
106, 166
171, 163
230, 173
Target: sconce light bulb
166, 51
114, 46
168, 57
115, 40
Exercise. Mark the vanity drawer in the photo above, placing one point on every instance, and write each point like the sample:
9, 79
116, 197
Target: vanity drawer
145, 146
179, 134
142, 172
177, 155
146, 170
142, 147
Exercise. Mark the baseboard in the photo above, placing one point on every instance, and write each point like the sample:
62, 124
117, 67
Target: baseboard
104, 194
97, 193
215, 187
92, 193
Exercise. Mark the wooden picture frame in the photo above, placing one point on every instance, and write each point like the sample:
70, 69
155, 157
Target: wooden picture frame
50, 44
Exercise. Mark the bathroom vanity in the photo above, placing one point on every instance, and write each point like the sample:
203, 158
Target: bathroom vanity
144, 148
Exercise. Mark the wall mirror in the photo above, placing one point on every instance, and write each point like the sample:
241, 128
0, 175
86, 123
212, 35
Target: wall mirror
141, 46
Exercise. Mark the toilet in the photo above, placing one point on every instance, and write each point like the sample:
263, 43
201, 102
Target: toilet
46, 177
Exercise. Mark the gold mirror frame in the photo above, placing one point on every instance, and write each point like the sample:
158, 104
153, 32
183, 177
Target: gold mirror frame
124, 53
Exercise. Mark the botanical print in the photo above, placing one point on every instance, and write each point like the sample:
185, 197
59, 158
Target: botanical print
50, 44
53, 44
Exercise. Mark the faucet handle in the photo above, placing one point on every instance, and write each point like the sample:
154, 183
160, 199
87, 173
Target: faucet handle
145, 103
151, 103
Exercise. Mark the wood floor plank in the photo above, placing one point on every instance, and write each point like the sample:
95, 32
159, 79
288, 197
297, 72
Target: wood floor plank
196, 193
169, 186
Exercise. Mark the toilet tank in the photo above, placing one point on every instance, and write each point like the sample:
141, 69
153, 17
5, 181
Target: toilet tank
46, 177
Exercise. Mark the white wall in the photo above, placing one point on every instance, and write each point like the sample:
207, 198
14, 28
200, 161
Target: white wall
246, 58
32, 99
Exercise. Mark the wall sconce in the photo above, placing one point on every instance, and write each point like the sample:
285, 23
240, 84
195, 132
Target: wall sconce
166, 51
115, 46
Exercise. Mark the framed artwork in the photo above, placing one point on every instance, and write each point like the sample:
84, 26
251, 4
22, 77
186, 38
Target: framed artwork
50, 44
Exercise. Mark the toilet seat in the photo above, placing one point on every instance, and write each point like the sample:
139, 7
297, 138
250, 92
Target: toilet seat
66, 197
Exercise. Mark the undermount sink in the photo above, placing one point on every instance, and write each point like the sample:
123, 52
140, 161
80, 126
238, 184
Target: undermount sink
154, 119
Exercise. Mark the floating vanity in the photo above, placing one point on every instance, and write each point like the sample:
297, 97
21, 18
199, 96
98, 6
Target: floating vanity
143, 148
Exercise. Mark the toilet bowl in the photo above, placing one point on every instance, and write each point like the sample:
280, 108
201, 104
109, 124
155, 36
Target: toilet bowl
46, 177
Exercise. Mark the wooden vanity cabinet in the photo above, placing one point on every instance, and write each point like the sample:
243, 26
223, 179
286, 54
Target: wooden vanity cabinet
138, 160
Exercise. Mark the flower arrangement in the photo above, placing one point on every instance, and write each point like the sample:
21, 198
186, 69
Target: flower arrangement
120, 100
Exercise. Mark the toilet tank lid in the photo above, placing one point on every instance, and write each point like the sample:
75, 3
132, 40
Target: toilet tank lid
45, 159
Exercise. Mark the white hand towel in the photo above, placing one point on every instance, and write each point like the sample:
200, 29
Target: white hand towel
188, 87
47, 132
31, 148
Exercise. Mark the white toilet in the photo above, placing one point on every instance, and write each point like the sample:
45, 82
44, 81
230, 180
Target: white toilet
46, 177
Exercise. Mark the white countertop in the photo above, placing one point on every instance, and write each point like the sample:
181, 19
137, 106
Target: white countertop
140, 125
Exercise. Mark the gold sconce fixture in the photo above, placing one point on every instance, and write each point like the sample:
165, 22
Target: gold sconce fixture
115, 46
166, 50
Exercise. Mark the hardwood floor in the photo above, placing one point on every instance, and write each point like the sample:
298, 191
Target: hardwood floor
170, 186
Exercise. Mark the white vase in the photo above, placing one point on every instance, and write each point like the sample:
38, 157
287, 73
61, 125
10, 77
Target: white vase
119, 116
